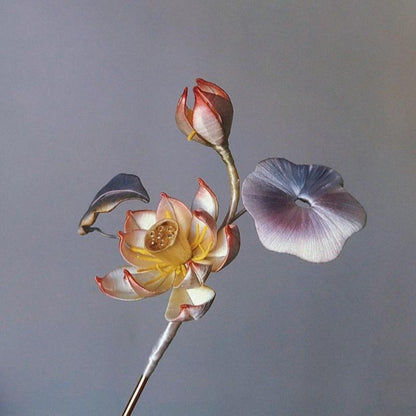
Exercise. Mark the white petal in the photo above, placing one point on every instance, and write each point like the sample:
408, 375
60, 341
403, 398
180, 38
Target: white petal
206, 120
195, 276
133, 250
143, 220
173, 208
226, 249
150, 283
183, 114
188, 304
202, 235
115, 285
205, 200
220, 101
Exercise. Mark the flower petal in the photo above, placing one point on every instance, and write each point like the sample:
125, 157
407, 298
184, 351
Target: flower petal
142, 219
116, 285
183, 117
202, 235
210, 87
188, 304
150, 283
315, 232
195, 276
226, 249
202, 271
205, 200
173, 208
206, 120
133, 250
220, 101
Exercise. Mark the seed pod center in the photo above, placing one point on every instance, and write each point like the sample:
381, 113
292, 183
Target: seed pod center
161, 236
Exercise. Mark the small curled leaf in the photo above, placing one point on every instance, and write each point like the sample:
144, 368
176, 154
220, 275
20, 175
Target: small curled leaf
121, 188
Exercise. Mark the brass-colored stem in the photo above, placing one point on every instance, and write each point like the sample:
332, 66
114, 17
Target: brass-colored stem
226, 156
135, 396
157, 353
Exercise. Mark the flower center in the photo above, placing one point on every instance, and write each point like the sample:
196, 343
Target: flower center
161, 236
302, 202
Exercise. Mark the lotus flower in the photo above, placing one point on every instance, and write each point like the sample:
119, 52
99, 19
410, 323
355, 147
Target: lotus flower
301, 209
210, 121
173, 248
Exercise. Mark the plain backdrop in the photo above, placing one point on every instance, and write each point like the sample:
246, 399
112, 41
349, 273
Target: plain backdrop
89, 90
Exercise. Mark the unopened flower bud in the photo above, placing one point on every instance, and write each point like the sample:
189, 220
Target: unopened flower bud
210, 120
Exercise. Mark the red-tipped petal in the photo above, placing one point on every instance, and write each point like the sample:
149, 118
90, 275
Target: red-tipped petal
133, 250
183, 115
206, 120
207, 86
205, 200
220, 101
115, 285
136, 220
226, 249
202, 235
173, 208
149, 283
195, 276
188, 304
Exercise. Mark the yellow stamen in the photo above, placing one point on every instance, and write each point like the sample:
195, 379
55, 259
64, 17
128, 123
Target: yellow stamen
196, 236
141, 251
147, 269
199, 236
163, 270
145, 254
204, 252
191, 135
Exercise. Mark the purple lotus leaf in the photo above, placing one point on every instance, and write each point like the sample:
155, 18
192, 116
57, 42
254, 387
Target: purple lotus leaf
302, 210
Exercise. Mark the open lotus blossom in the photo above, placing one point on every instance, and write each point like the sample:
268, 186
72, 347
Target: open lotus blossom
173, 247
210, 121
301, 209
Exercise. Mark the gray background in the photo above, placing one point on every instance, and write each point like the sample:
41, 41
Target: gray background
89, 89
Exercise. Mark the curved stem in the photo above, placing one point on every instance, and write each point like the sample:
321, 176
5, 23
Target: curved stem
238, 215
91, 229
226, 156
157, 353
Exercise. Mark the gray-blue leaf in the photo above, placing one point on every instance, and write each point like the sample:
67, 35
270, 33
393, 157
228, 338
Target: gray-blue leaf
121, 188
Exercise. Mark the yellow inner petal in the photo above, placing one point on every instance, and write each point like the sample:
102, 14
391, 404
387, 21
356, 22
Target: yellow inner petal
165, 270
168, 253
166, 250
200, 251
